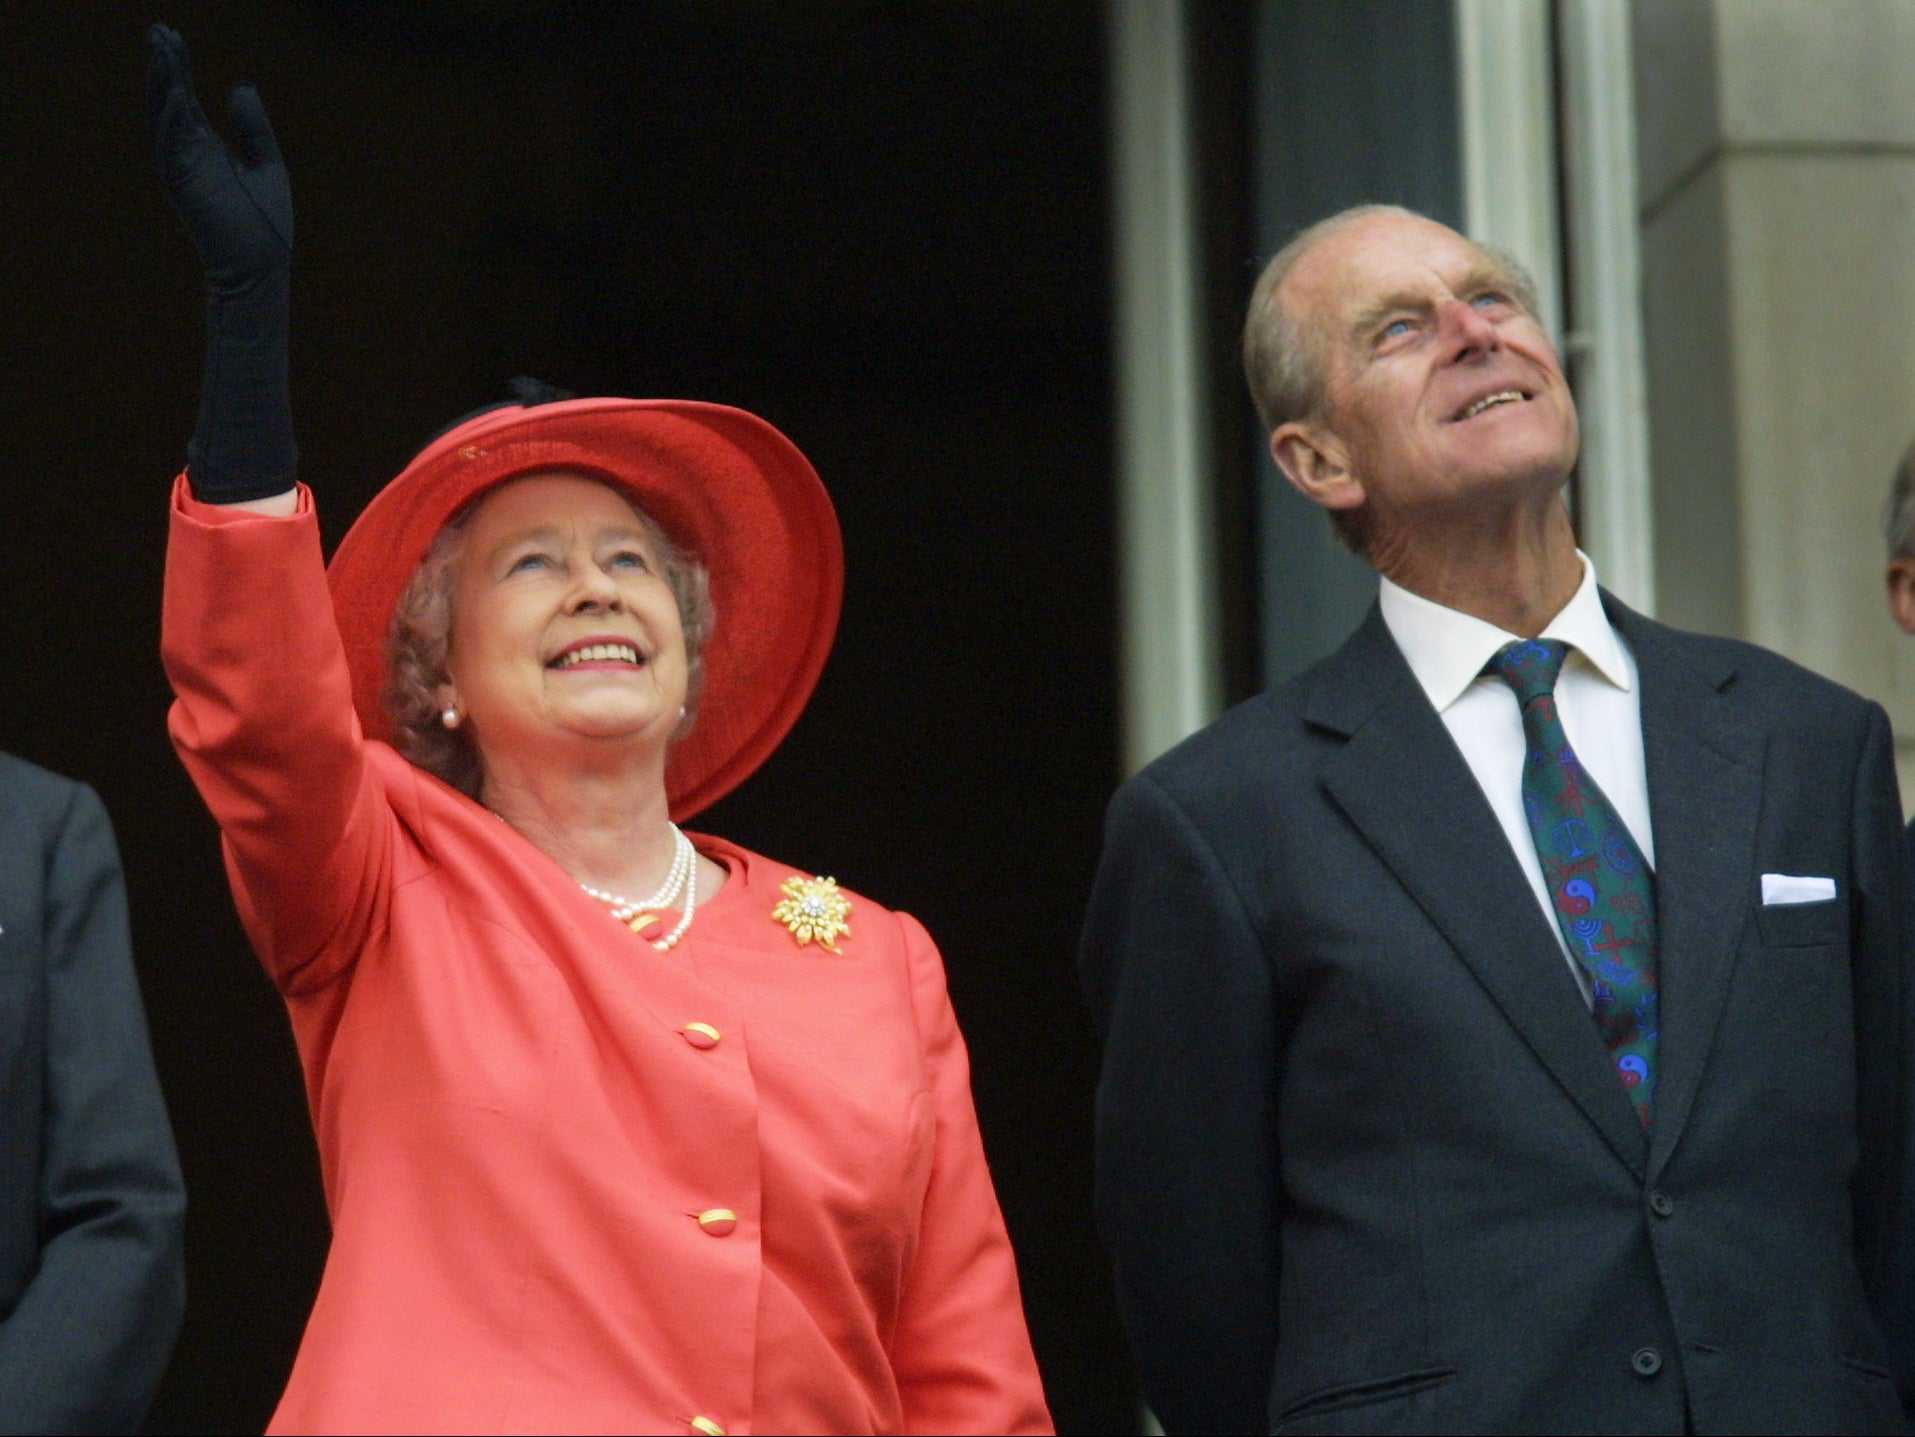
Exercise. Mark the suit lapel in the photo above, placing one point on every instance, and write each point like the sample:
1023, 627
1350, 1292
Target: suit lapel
1400, 779
1704, 764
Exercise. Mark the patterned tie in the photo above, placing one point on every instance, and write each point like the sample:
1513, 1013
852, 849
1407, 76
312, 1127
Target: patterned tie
1603, 892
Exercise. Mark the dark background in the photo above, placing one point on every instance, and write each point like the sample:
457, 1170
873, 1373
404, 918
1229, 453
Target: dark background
882, 226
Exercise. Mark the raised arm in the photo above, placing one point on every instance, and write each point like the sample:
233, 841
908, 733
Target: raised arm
264, 719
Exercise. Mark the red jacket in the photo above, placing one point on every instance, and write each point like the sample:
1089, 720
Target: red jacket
519, 1131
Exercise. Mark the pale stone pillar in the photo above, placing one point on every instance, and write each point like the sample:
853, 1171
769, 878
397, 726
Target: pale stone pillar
1777, 164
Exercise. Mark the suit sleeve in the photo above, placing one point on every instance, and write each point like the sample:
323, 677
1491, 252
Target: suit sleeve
1883, 982
263, 720
84, 1348
1187, 1186
962, 1352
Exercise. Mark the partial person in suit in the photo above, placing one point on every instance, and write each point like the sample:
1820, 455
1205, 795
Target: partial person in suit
1901, 565
1507, 1020
91, 1207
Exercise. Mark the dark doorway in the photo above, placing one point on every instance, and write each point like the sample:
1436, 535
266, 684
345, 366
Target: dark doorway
882, 226
1354, 103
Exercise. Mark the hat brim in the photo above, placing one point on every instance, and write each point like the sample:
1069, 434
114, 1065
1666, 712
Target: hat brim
724, 484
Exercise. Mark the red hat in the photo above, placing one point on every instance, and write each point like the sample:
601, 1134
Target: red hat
724, 484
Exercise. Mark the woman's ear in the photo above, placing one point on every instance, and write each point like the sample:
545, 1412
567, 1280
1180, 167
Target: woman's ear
1317, 465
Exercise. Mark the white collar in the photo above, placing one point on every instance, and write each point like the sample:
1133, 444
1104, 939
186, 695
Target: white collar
1447, 649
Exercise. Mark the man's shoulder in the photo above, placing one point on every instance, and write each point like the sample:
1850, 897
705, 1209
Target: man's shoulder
32, 798
1261, 744
1746, 673
31, 784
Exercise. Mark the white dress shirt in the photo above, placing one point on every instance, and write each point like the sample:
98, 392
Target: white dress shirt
1597, 697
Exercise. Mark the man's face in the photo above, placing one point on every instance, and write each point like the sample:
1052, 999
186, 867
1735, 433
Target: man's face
1439, 387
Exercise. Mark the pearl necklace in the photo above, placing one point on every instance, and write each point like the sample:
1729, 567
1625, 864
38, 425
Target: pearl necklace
683, 874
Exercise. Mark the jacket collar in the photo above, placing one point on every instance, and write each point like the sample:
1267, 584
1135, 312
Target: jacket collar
1446, 649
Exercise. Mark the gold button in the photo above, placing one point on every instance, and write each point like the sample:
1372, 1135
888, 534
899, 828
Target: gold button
718, 1221
701, 1035
708, 1427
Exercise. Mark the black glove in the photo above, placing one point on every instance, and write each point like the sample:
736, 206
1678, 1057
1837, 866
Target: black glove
238, 208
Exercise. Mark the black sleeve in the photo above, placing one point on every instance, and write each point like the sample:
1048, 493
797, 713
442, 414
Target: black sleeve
84, 1348
1884, 967
1187, 1187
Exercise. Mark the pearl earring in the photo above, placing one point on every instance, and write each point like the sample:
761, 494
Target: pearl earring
450, 718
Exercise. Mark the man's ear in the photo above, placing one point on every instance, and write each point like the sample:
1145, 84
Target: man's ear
1316, 464
1901, 592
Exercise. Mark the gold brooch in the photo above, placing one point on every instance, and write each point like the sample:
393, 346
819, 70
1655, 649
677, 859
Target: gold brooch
815, 911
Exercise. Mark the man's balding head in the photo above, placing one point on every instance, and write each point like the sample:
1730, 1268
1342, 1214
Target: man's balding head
1340, 275
1283, 359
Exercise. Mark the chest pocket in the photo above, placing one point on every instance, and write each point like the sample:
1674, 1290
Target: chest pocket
1805, 925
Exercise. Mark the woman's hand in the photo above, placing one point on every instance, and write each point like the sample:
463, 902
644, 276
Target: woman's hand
236, 201
237, 205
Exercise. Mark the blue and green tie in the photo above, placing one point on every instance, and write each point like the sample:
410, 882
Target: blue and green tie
1600, 888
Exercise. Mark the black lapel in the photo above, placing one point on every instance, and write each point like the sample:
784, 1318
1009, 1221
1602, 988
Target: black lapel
1406, 787
1704, 763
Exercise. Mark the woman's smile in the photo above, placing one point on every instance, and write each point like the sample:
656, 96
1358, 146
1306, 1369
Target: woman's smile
600, 653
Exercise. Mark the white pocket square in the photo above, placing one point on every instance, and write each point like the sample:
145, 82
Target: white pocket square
1780, 888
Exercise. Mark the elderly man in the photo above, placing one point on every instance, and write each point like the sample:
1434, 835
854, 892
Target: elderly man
1507, 1020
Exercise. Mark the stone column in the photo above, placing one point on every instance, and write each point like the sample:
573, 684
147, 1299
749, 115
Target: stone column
1776, 147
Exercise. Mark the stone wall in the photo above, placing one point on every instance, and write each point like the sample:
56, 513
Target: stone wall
1776, 146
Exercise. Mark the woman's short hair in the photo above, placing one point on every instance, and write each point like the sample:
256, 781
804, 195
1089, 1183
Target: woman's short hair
419, 645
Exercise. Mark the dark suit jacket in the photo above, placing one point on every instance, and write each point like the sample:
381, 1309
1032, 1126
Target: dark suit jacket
1363, 1163
91, 1208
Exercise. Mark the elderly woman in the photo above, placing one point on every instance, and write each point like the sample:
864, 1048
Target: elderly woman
622, 1129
